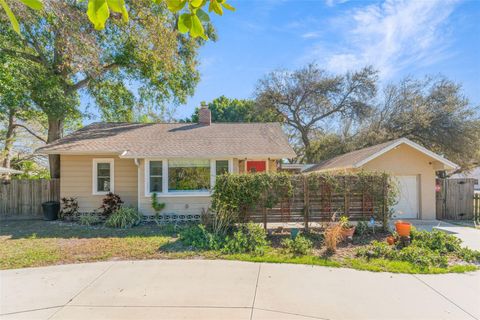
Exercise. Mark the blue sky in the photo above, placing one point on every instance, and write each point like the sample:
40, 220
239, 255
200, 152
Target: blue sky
399, 38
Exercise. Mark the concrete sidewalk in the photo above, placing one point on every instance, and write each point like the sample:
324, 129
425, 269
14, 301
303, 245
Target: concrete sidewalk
200, 289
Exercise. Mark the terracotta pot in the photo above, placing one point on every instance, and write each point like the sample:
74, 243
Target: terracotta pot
403, 228
390, 240
348, 232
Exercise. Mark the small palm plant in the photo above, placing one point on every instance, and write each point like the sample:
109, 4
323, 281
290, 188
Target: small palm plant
157, 206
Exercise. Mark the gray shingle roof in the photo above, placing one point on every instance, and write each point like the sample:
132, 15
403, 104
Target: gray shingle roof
176, 140
356, 158
348, 160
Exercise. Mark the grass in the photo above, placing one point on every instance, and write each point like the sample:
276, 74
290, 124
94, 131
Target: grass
40, 243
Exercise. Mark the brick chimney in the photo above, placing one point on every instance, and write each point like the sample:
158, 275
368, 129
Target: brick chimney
204, 115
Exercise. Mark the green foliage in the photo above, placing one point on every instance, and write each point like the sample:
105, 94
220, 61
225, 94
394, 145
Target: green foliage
250, 238
200, 238
31, 170
98, 12
435, 240
157, 206
224, 109
123, 217
299, 246
234, 194
88, 219
427, 249
362, 228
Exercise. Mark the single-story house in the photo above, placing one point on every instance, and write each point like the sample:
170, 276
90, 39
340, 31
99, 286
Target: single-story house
413, 166
177, 161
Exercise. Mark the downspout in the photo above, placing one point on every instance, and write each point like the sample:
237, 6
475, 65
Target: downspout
137, 163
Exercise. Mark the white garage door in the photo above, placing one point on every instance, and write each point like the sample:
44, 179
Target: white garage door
408, 205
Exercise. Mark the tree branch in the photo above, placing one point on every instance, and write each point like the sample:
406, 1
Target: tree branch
23, 55
30, 131
84, 82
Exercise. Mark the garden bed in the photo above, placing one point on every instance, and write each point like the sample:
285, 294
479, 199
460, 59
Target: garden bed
40, 243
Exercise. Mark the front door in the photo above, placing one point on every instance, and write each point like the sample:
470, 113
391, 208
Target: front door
408, 204
256, 166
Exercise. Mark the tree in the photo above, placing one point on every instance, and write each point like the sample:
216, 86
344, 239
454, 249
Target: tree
146, 60
236, 110
310, 98
432, 112
16, 110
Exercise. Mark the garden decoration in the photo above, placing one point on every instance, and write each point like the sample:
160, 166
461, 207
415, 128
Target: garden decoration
391, 240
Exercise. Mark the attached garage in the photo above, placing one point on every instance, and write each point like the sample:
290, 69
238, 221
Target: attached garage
413, 166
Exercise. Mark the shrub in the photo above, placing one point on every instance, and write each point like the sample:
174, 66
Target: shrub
299, 246
124, 217
469, 255
250, 238
200, 238
110, 204
436, 240
69, 208
333, 234
362, 228
420, 256
88, 219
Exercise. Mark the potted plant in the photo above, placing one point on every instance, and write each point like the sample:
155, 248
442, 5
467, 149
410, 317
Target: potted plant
348, 229
403, 228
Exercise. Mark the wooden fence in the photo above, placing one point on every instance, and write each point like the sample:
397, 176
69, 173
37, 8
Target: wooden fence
22, 199
319, 203
455, 199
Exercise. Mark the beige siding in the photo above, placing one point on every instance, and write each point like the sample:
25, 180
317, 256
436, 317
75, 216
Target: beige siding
405, 160
76, 180
179, 205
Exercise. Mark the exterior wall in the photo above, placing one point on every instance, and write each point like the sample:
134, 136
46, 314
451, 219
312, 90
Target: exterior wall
173, 204
405, 160
76, 179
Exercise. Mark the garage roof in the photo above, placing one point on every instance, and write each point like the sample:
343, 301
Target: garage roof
358, 158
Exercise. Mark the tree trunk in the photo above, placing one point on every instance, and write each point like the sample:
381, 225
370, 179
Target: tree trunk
306, 145
9, 139
55, 132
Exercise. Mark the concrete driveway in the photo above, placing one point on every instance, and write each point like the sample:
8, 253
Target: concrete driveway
200, 289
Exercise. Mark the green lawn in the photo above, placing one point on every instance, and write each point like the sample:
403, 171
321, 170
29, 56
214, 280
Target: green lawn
39, 243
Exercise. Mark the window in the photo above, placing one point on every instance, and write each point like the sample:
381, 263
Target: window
188, 175
221, 167
102, 176
155, 170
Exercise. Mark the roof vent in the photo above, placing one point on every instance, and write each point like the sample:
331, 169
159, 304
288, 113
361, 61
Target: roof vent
204, 115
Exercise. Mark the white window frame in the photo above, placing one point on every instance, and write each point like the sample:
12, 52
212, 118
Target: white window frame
165, 192
95, 163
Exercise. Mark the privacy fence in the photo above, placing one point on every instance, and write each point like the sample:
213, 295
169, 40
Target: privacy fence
304, 198
456, 199
22, 199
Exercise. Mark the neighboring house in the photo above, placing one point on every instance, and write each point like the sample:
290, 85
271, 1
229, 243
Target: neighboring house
178, 161
413, 166
294, 168
474, 173
9, 171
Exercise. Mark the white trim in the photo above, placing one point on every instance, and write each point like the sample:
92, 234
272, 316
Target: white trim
165, 192
96, 161
146, 177
411, 144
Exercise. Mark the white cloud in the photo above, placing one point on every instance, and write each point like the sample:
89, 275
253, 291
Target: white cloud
392, 36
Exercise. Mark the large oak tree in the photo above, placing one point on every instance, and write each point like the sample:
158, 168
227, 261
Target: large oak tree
119, 67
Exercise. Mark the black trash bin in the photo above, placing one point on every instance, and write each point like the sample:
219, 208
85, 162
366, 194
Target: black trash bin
50, 210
